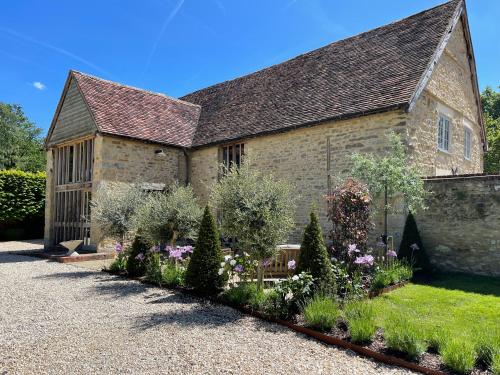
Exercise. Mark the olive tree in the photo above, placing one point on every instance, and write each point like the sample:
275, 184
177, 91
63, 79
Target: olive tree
168, 216
255, 208
114, 206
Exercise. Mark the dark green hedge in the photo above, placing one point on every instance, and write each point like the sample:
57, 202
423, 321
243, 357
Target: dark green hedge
22, 202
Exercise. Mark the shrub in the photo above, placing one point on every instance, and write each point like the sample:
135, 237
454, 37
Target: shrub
458, 355
411, 248
136, 267
390, 274
114, 207
167, 216
255, 208
313, 256
360, 321
241, 294
321, 313
437, 338
495, 364
203, 270
173, 275
289, 295
120, 262
153, 268
349, 212
402, 335
487, 345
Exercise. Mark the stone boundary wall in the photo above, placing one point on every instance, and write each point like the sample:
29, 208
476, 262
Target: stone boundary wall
461, 227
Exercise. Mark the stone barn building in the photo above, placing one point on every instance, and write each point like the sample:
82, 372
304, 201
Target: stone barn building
300, 120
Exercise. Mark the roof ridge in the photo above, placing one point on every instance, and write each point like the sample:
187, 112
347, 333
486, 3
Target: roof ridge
320, 48
72, 71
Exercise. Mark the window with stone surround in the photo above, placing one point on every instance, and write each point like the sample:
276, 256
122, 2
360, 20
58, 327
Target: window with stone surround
232, 154
443, 141
467, 143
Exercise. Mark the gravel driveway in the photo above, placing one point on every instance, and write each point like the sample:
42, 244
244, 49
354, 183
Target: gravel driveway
65, 319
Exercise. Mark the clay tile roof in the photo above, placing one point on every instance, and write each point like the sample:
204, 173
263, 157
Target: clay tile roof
130, 112
373, 71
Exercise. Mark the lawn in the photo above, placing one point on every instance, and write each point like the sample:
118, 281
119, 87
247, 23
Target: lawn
453, 307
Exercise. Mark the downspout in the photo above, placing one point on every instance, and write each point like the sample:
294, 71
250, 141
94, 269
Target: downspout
187, 166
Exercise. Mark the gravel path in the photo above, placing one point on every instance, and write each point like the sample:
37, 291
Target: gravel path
64, 319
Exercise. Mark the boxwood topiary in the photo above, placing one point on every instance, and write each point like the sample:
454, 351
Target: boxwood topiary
135, 267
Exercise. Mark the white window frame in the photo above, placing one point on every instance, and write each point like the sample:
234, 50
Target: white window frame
444, 135
467, 137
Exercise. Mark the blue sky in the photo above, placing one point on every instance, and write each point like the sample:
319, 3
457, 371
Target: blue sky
178, 46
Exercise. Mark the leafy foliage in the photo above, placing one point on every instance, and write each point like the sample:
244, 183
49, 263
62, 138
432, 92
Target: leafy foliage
321, 313
170, 215
390, 274
21, 144
313, 256
22, 195
414, 255
491, 106
203, 270
393, 170
256, 209
135, 267
114, 207
173, 275
349, 212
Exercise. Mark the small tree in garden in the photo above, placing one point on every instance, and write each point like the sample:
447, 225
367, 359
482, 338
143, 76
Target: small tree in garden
411, 248
313, 256
114, 207
389, 175
202, 273
349, 212
135, 266
256, 209
170, 215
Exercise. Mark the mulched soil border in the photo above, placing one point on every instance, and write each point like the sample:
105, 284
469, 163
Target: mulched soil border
324, 338
390, 288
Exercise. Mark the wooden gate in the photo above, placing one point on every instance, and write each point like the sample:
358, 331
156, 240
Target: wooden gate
73, 167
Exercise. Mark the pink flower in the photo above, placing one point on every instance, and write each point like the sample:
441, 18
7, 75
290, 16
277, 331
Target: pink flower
366, 260
140, 257
187, 249
291, 264
118, 247
351, 249
177, 254
392, 253
155, 249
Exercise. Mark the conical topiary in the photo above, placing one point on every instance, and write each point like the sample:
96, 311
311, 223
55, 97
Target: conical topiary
411, 248
313, 256
202, 273
135, 267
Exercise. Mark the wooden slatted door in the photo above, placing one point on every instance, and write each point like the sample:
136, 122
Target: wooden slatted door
73, 188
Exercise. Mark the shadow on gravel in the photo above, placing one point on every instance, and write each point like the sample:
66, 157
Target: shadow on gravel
119, 287
15, 258
198, 316
69, 275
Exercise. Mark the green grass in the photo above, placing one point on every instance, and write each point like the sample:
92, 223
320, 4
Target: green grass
403, 335
452, 308
459, 355
360, 318
321, 313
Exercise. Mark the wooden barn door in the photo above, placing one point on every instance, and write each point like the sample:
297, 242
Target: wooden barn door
73, 169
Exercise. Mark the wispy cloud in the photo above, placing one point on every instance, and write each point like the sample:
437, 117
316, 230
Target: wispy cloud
39, 85
167, 21
221, 6
53, 48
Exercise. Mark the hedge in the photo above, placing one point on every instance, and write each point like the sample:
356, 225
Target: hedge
22, 201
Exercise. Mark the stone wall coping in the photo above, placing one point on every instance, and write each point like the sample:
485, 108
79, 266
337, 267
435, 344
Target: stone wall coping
463, 177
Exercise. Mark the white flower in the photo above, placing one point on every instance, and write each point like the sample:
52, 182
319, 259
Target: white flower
288, 296
227, 257
246, 254
221, 271
222, 264
295, 278
232, 262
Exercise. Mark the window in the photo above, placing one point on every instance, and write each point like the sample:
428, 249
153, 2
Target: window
444, 133
467, 143
232, 155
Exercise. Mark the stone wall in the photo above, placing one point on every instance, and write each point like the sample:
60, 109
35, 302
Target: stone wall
300, 156
461, 228
450, 92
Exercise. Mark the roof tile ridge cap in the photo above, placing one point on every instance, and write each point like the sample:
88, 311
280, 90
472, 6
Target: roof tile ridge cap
358, 35
134, 88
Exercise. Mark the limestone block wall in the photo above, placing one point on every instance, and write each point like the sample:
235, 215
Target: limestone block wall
461, 228
49, 200
450, 92
300, 156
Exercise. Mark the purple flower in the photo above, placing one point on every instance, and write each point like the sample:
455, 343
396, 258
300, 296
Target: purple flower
292, 264
414, 247
140, 257
392, 253
238, 268
351, 249
366, 260
266, 262
381, 244
118, 247
176, 254
155, 249
187, 249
